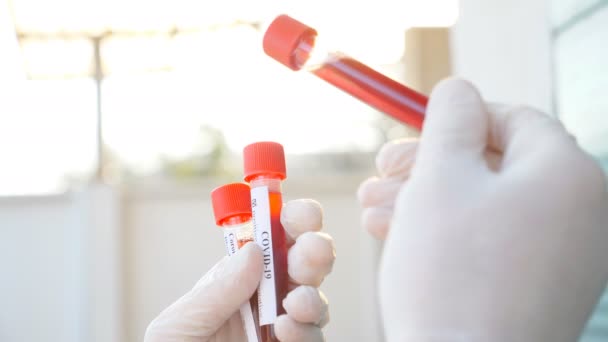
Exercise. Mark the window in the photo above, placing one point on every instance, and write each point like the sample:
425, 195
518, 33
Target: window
47, 135
581, 74
580, 35
182, 86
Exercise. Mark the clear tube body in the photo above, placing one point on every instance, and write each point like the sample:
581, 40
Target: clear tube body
238, 231
362, 82
267, 201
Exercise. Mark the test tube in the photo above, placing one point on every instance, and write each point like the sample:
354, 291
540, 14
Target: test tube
232, 210
295, 45
264, 171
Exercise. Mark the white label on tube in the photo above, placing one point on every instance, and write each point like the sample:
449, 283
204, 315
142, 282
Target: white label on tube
267, 299
232, 244
246, 314
249, 323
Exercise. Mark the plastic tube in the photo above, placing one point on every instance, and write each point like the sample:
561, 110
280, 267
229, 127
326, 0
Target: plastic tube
264, 171
232, 209
295, 45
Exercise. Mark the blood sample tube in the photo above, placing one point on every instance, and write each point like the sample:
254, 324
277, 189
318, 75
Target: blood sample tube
295, 45
232, 209
264, 171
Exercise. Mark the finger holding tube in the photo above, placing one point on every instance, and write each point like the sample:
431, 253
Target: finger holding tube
301, 216
307, 304
311, 258
377, 220
290, 330
396, 158
214, 299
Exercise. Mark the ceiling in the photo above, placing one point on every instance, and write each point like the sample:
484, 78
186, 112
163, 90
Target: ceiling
97, 16
60, 38
70, 17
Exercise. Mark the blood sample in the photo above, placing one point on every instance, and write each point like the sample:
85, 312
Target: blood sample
232, 209
264, 171
294, 45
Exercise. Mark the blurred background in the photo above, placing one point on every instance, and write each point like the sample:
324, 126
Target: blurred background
117, 118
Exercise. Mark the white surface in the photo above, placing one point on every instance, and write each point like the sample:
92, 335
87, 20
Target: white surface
40, 282
563, 10
96, 211
60, 261
504, 48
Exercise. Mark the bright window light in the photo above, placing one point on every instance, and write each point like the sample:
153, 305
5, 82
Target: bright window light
61, 58
47, 136
176, 70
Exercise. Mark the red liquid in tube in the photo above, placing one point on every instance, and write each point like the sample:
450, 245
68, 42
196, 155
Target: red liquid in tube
375, 89
264, 171
292, 43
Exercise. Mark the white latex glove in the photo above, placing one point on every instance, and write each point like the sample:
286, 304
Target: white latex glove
510, 245
210, 311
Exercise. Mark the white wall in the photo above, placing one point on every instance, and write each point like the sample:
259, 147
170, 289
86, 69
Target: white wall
96, 213
504, 47
60, 267
40, 286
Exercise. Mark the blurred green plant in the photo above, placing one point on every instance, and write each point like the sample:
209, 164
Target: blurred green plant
210, 157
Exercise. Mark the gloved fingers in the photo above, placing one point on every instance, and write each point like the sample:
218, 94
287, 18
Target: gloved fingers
301, 216
456, 126
213, 300
306, 304
396, 158
311, 258
325, 318
377, 220
509, 121
377, 195
493, 159
515, 130
379, 192
289, 330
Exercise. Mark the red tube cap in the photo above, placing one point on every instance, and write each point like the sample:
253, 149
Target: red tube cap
264, 158
230, 200
283, 37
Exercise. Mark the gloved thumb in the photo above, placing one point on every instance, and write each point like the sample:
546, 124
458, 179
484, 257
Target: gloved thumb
457, 123
213, 300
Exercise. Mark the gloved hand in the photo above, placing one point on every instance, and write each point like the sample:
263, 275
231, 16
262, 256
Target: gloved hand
210, 311
498, 226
